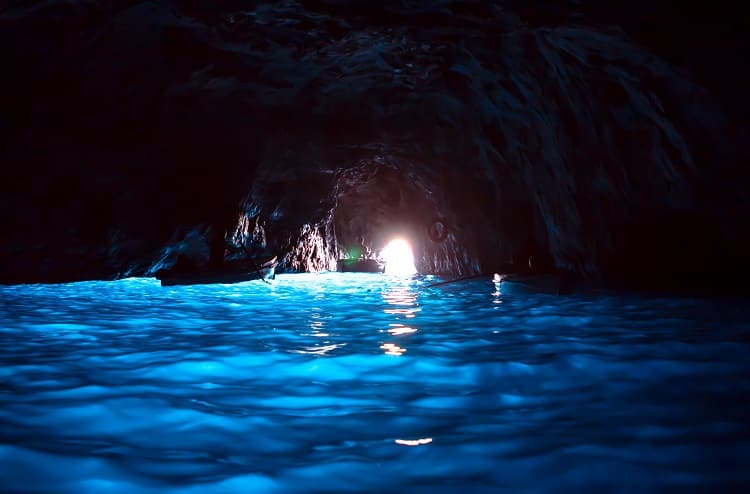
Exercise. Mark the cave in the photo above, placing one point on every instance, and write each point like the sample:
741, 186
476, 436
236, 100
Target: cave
607, 154
571, 176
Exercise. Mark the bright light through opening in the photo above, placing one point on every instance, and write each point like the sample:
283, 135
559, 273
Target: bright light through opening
398, 258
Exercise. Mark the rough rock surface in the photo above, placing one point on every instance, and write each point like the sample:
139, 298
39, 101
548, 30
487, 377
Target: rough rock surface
562, 130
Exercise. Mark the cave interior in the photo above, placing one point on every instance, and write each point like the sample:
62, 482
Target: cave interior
589, 139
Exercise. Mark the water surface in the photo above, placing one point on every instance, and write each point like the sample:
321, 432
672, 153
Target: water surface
357, 382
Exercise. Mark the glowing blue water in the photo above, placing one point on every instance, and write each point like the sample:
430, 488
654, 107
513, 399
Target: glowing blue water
323, 383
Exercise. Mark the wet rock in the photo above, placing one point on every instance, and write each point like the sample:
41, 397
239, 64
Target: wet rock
571, 135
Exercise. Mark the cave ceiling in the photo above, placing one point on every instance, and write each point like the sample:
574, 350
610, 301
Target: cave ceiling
584, 134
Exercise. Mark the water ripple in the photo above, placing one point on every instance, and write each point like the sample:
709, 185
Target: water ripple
346, 382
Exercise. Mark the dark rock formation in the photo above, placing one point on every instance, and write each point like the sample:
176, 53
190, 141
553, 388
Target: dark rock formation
586, 135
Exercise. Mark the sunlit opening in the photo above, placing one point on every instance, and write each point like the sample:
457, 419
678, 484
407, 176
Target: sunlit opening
398, 258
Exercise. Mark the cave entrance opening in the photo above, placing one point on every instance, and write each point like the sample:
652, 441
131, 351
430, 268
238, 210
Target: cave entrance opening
399, 258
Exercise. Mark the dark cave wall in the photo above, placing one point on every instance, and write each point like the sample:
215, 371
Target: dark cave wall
530, 131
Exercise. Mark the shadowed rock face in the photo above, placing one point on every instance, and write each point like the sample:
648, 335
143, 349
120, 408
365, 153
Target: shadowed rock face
319, 125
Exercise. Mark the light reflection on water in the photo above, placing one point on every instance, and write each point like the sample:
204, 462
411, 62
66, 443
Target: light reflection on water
347, 382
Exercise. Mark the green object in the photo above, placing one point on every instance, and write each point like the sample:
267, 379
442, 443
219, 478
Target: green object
354, 252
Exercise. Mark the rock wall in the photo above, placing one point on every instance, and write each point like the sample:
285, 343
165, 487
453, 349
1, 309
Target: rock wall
562, 132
